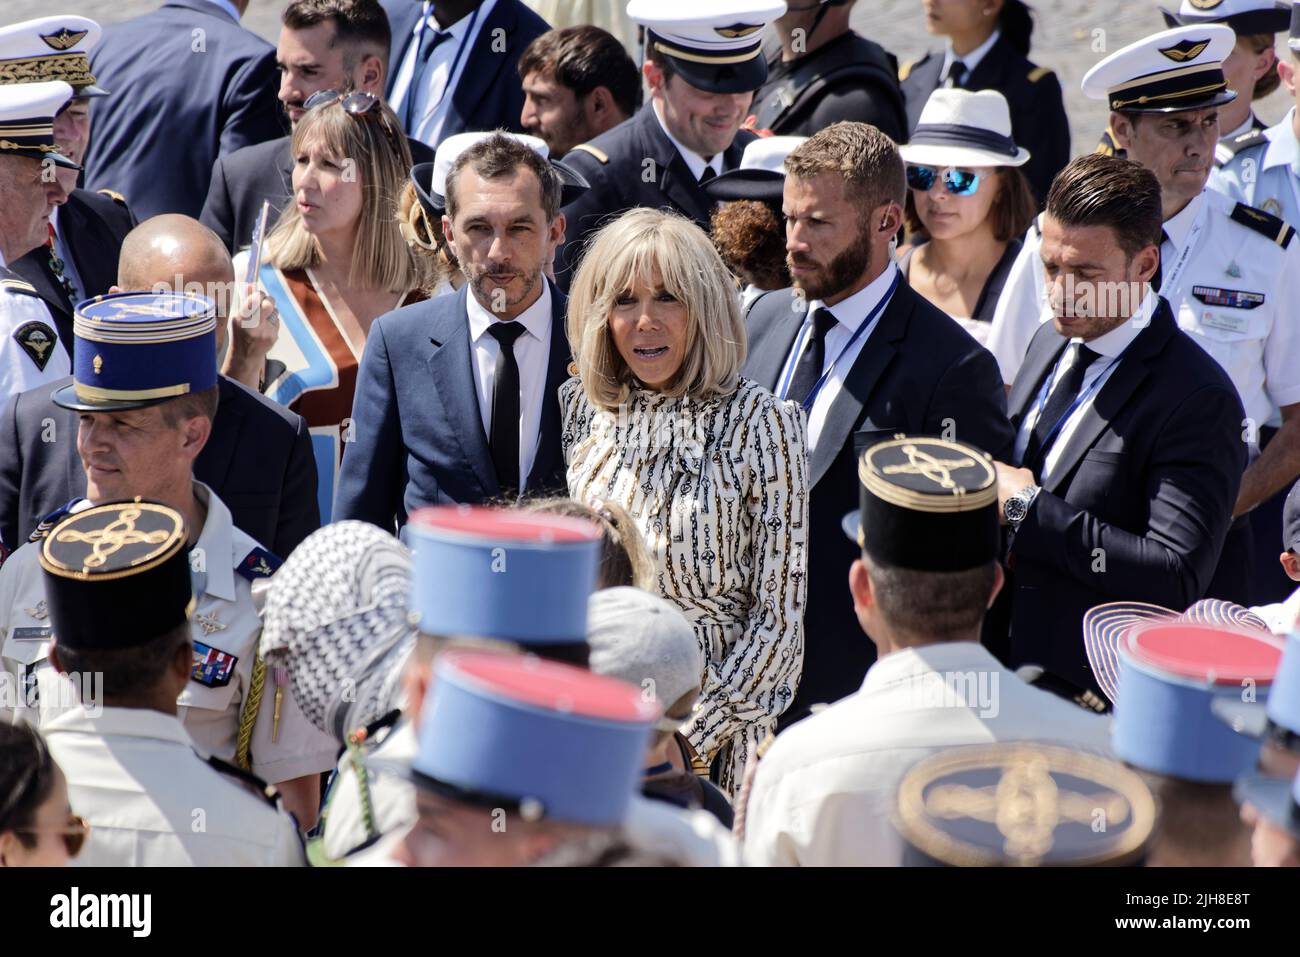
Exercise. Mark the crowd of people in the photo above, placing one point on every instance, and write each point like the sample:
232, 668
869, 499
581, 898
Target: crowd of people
672, 433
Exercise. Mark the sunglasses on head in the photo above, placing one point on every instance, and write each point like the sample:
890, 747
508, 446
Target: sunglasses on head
959, 182
74, 833
356, 104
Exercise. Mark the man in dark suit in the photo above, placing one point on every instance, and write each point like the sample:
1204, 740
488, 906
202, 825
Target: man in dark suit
456, 397
701, 73
454, 64
868, 358
189, 84
335, 45
1129, 448
258, 459
79, 257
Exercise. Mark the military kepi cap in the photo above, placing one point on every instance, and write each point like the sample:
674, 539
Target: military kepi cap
926, 504
1277, 720
51, 48
1171, 673
1179, 69
716, 45
27, 113
502, 573
1023, 805
547, 739
136, 349
117, 575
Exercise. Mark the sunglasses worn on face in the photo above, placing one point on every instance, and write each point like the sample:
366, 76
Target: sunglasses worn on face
357, 104
74, 833
959, 182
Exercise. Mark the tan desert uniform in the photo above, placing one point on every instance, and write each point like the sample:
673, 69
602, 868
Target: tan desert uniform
224, 619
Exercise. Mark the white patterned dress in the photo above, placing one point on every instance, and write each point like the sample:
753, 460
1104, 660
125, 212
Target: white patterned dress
719, 490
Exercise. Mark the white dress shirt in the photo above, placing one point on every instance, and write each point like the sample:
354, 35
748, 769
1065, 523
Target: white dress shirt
849, 313
694, 161
1108, 347
972, 59
825, 791
442, 73
532, 352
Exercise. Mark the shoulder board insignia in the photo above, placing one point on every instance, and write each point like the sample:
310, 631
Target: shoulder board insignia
601, 156
1266, 224
18, 285
1244, 142
259, 563
37, 339
115, 196
1085, 698
212, 667
247, 778
905, 70
49, 521
1037, 73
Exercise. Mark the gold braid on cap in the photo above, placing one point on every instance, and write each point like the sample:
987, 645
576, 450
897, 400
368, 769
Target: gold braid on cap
71, 68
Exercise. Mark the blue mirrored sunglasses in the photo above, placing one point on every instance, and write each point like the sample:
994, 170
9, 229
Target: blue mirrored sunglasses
959, 182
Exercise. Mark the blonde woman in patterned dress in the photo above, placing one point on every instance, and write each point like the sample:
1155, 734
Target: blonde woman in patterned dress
712, 467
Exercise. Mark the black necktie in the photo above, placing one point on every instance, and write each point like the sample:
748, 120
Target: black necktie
1158, 279
707, 175
430, 38
956, 74
809, 367
1067, 389
504, 437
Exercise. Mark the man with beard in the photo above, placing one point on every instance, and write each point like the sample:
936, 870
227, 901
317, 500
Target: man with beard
456, 397
868, 358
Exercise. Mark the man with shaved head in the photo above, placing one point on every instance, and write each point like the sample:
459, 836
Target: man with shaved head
258, 459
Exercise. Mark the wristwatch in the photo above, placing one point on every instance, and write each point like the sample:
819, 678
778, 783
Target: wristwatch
1016, 507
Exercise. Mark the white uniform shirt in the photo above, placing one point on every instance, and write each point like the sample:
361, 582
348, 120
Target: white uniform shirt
1258, 347
824, 793
30, 351
224, 618
152, 801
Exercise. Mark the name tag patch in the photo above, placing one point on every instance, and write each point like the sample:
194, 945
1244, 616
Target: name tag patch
213, 667
1231, 298
1227, 323
30, 634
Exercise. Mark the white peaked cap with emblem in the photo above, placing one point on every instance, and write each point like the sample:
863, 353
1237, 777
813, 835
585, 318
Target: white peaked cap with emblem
1246, 17
50, 48
761, 174
1178, 69
769, 153
716, 45
433, 195
27, 113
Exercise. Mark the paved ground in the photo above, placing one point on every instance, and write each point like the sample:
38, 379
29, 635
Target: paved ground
1070, 36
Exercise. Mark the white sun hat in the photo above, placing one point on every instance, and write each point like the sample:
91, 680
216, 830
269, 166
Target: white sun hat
964, 128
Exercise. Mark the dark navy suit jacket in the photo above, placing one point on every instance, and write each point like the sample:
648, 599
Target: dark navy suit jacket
417, 433
490, 93
246, 178
188, 84
919, 373
258, 460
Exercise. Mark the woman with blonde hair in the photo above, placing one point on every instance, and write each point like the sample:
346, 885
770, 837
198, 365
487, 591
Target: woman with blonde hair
712, 467
335, 261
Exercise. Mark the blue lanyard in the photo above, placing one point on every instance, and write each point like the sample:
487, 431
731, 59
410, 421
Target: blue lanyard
1078, 402
451, 75
826, 373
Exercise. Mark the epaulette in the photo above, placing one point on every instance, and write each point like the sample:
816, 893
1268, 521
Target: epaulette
1037, 73
601, 156
266, 791
18, 285
1044, 680
49, 521
115, 196
1244, 142
259, 563
905, 70
1266, 224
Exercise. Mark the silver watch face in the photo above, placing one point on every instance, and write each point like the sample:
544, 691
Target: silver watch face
1015, 509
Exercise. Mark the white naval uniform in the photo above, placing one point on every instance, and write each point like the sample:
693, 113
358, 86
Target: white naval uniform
824, 792
30, 351
224, 618
152, 801
1265, 175
694, 837
1258, 347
